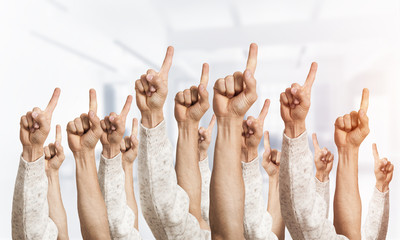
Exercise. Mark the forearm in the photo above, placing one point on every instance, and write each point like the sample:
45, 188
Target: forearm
56, 207
130, 193
187, 166
30, 212
274, 208
91, 207
347, 201
227, 186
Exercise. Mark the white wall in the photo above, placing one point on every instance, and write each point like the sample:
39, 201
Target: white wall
76, 45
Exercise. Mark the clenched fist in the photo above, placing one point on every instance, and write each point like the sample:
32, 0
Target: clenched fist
235, 94
383, 171
35, 127
113, 130
323, 160
352, 129
271, 158
252, 133
295, 103
54, 154
85, 131
151, 92
205, 135
192, 104
129, 146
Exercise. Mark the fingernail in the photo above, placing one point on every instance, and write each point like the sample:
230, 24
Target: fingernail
35, 125
251, 132
247, 74
294, 90
148, 94
361, 113
152, 89
113, 128
249, 122
34, 114
91, 113
112, 118
149, 77
201, 87
57, 144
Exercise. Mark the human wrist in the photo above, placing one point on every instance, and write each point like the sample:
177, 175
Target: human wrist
294, 129
111, 150
382, 187
152, 118
252, 153
273, 181
127, 166
322, 176
32, 153
203, 155
346, 154
53, 176
86, 156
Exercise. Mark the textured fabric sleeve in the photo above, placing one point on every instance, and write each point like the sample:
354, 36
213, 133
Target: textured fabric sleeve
164, 204
323, 191
303, 210
121, 218
257, 220
30, 212
205, 173
376, 223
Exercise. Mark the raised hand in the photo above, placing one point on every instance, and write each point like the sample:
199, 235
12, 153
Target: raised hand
192, 104
352, 129
295, 103
35, 127
383, 170
235, 94
129, 145
54, 153
85, 131
151, 92
271, 158
323, 160
205, 135
113, 130
252, 133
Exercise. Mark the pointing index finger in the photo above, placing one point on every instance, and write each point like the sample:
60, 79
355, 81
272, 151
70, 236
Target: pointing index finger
267, 146
92, 101
58, 134
311, 75
127, 106
167, 61
204, 75
375, 152
53, 101
134, 127
252, 58
212, 122
315, 142
264, 110
365, 100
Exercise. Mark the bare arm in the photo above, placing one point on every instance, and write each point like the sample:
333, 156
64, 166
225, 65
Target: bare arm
233, 96
83, 134
190, 106
350, 131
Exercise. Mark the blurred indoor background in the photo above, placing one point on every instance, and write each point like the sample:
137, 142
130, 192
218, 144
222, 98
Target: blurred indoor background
107, 45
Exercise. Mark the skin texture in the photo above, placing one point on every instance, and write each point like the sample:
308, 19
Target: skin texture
270, 163
323, 161
233, 96
83, 134
350, 131
113, 130
151, 92
54, 157
129, 148
252, 134
205, 135
190, 106
295, 103
383, 170
35, 127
